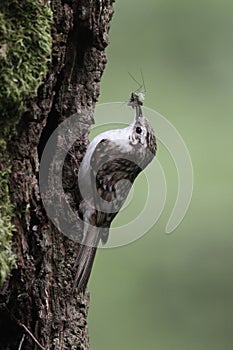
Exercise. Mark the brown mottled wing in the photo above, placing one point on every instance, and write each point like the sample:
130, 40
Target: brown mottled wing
109, 166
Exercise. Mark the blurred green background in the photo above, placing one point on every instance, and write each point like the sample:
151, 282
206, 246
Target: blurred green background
174, 291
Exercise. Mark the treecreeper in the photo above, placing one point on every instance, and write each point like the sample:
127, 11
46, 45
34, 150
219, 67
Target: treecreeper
111, 163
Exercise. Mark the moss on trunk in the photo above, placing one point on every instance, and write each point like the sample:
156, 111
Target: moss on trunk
36, 296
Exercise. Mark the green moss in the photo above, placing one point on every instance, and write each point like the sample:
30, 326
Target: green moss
25, 50
7, 258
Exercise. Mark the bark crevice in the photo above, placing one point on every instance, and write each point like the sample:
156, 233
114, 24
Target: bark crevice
38, 292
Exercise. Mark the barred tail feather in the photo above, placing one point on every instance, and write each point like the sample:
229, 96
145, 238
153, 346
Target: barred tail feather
83, 266
85, 260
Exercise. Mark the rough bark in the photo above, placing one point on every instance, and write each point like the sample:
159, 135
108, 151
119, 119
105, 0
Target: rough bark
37, 298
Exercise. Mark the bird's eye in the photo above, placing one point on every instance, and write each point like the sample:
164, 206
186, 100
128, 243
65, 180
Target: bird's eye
138, 130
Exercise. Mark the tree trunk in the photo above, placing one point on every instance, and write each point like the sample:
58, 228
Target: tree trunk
37, 306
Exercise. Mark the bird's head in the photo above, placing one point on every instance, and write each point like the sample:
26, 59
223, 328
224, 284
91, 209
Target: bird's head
142, 135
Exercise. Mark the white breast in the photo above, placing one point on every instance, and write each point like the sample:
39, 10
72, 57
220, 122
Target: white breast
119, 136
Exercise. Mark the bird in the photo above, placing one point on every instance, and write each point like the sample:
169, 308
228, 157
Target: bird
112, 162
